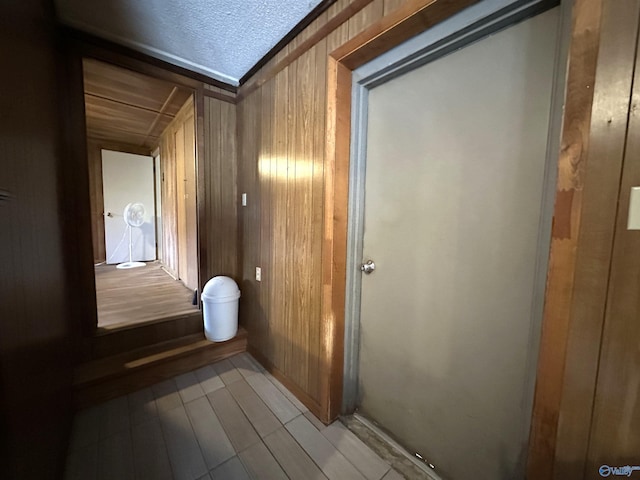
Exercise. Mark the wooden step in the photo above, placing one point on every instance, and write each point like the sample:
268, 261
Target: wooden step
106, 378
108, 342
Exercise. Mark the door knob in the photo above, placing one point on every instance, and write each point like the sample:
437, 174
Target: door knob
368, 267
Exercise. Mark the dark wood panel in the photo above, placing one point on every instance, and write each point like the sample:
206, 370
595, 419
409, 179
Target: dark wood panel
221, 190
579, 257
94, 157
104, 379
615, 431
114, 342
36, 264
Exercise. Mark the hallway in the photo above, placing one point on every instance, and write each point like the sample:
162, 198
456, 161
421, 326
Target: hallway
141, 295
229, 420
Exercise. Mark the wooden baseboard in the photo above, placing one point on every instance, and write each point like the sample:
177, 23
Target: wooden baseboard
101, 380
300, 394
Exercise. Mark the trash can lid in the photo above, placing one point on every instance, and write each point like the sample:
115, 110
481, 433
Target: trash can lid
220, 287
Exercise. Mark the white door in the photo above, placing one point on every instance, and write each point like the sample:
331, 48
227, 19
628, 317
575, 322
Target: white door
454, 184
128, 178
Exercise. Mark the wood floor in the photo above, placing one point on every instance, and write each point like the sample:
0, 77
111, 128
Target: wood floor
230, 420
139, 295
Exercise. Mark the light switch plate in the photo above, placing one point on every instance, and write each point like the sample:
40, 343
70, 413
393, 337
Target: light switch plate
633, 221
244, 199
258, 274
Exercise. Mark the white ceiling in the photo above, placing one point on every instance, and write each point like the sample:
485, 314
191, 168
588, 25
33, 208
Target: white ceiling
222, 39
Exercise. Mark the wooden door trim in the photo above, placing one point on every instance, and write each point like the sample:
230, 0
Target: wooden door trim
601, 65
412, 18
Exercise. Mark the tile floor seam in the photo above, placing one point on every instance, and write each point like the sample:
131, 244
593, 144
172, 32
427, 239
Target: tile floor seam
267, 394
222, 424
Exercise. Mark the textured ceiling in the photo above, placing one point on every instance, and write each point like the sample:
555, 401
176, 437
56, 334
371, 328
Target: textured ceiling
222, 39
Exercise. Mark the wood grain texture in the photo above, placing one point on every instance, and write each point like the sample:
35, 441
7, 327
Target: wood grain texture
586, 195
399, 25
615, 429
35, 260
220, 190
106, 343
109, 378
288, 55
294, 226
179, 196
128, 107
94, 158
129, 297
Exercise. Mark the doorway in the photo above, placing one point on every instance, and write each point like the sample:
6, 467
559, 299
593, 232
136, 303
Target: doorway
141, 149
454, 214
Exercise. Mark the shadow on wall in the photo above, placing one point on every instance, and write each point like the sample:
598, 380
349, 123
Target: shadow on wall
276, 346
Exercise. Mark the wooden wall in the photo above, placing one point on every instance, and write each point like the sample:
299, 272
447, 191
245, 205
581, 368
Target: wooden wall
178, 174
94, 158
281, 150
219, 235
35, 266
586, 405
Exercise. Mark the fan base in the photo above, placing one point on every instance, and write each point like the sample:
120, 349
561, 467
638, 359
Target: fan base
126, 265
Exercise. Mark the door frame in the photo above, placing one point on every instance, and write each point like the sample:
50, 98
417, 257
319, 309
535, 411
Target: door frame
78, 45
580, 34
471, 25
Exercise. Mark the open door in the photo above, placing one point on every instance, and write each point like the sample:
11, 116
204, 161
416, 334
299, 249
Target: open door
128, 178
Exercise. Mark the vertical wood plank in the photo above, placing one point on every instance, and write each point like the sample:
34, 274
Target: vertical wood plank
615, 437
559, 432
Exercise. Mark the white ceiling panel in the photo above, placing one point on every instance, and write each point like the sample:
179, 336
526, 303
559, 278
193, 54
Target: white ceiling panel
222, 39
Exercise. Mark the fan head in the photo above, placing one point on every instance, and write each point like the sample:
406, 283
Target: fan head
134, 214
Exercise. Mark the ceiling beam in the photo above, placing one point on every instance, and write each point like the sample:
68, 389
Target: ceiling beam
126, 104
160, 113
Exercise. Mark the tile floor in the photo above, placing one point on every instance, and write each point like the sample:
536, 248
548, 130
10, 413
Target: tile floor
229, 420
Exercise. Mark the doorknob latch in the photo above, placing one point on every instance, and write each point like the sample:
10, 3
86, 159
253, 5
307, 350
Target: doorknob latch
368, 267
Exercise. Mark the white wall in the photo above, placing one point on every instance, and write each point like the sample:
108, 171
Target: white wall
128, 178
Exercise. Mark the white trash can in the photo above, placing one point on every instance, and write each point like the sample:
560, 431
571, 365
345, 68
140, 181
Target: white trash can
220, 309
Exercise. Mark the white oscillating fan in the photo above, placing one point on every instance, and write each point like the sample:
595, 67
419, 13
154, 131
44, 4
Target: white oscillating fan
133, 217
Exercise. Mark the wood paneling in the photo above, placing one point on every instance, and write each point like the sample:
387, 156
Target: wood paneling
179, 199
287, 166
36, 262
615, 429
599, 79
103, 379
220, 190
126, 107
94, 157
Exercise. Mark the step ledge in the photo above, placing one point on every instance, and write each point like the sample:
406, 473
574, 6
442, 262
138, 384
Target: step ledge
82, 378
